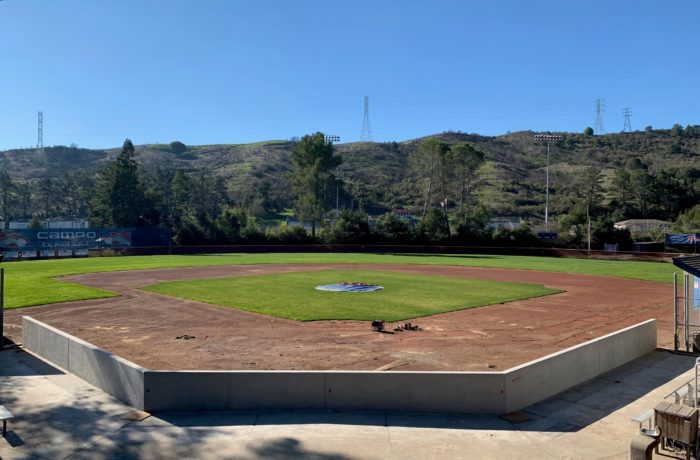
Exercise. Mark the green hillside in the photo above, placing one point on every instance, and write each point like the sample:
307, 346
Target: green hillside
379, 176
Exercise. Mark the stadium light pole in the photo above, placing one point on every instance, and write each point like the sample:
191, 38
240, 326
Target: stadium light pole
330, 139
548, 138
337, 188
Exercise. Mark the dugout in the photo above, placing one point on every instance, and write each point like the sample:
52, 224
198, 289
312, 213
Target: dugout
686, 301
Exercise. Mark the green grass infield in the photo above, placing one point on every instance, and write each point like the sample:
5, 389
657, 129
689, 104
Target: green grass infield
293, 295
34, 282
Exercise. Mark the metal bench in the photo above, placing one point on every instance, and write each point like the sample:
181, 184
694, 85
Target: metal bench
644, 417
5, 415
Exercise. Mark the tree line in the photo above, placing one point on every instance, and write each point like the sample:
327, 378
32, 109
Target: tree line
446, 181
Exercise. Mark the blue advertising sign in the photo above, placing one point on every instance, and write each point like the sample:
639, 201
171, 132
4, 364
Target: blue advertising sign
683, 239
49, 240
547, 235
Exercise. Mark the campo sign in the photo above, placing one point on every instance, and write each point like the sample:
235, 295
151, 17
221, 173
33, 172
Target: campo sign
90, 238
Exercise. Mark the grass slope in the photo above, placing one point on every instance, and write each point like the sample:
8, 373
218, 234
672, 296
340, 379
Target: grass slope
292, 295
512, 175
32, 282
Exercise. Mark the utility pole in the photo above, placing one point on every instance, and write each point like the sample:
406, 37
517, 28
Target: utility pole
588, 216
548, 138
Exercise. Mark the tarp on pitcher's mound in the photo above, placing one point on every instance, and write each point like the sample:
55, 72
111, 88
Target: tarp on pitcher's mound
349, 287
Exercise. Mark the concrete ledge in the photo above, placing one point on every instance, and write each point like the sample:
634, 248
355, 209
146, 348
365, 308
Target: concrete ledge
107, 371
447, 392
46, 341
539, 379
230, 390
456, 392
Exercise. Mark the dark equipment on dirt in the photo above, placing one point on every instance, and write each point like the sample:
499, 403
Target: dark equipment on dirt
378, 325
407, 327
185, 337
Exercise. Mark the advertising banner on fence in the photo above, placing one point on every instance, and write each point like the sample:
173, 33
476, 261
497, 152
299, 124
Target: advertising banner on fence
683, 239
47, 241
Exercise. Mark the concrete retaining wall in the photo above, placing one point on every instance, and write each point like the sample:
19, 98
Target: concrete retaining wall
458, 392
539, 379
108, 372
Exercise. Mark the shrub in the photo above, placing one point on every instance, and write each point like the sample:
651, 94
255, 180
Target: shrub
178, 147
392, 229
350, 228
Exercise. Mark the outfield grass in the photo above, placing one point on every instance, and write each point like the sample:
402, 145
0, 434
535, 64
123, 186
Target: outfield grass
32, 282
405, 296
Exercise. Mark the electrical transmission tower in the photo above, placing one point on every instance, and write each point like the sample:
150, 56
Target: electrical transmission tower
40, 131
627, 113
366, 135
599, 111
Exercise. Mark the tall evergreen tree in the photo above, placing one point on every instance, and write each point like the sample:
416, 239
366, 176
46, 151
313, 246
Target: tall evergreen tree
466, 160
312, 163
6, 188
429, 165
119, 197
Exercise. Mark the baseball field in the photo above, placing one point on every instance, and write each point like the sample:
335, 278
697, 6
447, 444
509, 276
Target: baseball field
261, 311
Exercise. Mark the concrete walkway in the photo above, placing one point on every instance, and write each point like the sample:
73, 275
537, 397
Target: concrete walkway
60, 416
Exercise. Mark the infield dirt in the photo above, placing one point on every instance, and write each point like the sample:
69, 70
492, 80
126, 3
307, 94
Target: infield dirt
160, 332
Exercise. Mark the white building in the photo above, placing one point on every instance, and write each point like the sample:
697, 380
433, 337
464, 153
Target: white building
510, 223
81, 223
17, 225
644, 226
49, 223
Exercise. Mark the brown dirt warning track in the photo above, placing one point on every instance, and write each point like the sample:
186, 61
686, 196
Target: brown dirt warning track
143, 327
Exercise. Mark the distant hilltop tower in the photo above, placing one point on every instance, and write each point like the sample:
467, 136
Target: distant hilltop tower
627, 114
40, 131
599, 110
366, 135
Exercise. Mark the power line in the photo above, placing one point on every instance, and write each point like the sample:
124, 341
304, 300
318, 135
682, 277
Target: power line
627, 113
366, 135
599, 111
40, 131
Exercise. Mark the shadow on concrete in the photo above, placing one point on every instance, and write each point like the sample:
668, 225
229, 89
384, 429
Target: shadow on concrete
13, 439
207, 419
24, 364
587, 403
290, 448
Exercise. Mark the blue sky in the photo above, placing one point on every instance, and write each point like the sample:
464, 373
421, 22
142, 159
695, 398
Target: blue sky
224, 71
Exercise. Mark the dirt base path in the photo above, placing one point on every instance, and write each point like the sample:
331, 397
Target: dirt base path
144, 327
